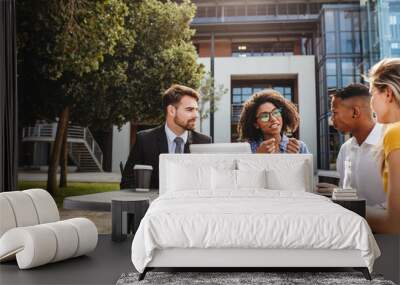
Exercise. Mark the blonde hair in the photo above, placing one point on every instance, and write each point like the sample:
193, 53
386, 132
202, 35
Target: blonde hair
385, 74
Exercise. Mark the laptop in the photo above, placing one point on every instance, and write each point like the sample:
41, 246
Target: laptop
221, 148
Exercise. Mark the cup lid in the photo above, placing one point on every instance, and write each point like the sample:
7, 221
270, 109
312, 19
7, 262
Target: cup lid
142, 166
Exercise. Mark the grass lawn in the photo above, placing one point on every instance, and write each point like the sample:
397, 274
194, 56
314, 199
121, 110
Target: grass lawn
73, 188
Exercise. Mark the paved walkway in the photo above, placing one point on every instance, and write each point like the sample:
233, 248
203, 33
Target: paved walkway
73, 177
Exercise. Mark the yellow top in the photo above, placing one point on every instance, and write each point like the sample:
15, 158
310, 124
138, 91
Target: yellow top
391, 142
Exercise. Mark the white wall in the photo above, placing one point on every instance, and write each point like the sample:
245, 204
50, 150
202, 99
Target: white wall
120, 146
267, 67
206, 122
302, 67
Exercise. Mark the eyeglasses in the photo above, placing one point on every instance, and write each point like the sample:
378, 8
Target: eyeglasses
266, 116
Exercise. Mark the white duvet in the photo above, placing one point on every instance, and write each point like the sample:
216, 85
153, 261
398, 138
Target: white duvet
250, 219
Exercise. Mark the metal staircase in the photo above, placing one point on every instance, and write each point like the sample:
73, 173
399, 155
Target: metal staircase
82, 147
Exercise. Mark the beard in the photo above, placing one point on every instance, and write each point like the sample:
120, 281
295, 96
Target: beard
188, 125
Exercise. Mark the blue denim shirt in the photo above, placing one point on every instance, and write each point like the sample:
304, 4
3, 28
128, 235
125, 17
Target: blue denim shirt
282, 146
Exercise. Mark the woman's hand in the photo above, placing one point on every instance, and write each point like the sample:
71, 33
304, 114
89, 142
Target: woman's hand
293, 146
267, 146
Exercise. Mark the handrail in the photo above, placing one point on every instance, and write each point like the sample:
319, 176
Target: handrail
93, 145
48, 131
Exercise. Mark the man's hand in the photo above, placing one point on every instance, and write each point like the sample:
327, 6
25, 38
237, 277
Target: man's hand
293, 146
267, 146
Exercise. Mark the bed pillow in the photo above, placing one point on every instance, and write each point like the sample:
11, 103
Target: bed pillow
292, 179
251, 178
282, 174
183, 177
223, 179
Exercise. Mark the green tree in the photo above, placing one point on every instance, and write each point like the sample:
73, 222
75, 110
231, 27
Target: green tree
65, 39
129, 84
209, 91
163, 55
98, 63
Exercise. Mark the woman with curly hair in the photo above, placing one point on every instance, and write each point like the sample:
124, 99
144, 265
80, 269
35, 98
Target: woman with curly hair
265, 119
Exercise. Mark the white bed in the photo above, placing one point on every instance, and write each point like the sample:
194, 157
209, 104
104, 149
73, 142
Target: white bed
247, 211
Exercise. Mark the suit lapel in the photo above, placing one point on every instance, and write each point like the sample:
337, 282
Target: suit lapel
162, 140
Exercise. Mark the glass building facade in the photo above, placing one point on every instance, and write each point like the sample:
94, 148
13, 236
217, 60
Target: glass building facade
339, 63
346, 37
380, 27
350, 40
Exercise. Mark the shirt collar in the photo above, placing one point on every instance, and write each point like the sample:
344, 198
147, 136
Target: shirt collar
283, 143
373, 138
171, 135
284, 139
375, 135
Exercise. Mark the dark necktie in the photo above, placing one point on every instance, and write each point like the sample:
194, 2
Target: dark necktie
179, 143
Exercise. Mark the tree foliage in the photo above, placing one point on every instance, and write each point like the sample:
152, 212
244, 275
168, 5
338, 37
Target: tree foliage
163, 54
106, 62
59, 42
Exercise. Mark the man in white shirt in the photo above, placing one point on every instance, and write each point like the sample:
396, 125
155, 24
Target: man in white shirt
351, 113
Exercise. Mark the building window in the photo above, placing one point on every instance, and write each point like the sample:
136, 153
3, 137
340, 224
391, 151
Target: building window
293, 9
315, 8
201, 12
346, 42
262, 10
262, 49
330, 43
350, 71
339, 66
229, 11
392, 20
287, 92
240, 10
252, 10
329, 21
211, 12
302, 8
282, 9
271, 10
346, 21
331, 66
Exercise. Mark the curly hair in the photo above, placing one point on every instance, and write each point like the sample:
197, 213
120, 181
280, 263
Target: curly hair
246, 128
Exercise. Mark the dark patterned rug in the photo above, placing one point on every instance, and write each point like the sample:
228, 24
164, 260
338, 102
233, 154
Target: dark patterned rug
229, 278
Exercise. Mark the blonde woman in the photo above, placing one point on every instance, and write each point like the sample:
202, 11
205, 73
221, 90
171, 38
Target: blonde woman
384, 80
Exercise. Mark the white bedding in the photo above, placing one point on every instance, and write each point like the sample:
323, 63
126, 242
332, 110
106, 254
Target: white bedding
252, 218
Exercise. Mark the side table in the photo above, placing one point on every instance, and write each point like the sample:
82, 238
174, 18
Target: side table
358, 206
127, 212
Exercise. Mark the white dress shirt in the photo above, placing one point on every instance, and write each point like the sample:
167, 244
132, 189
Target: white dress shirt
171, 137
365, 176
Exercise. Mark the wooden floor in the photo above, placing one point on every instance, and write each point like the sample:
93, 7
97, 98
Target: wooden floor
103, 266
